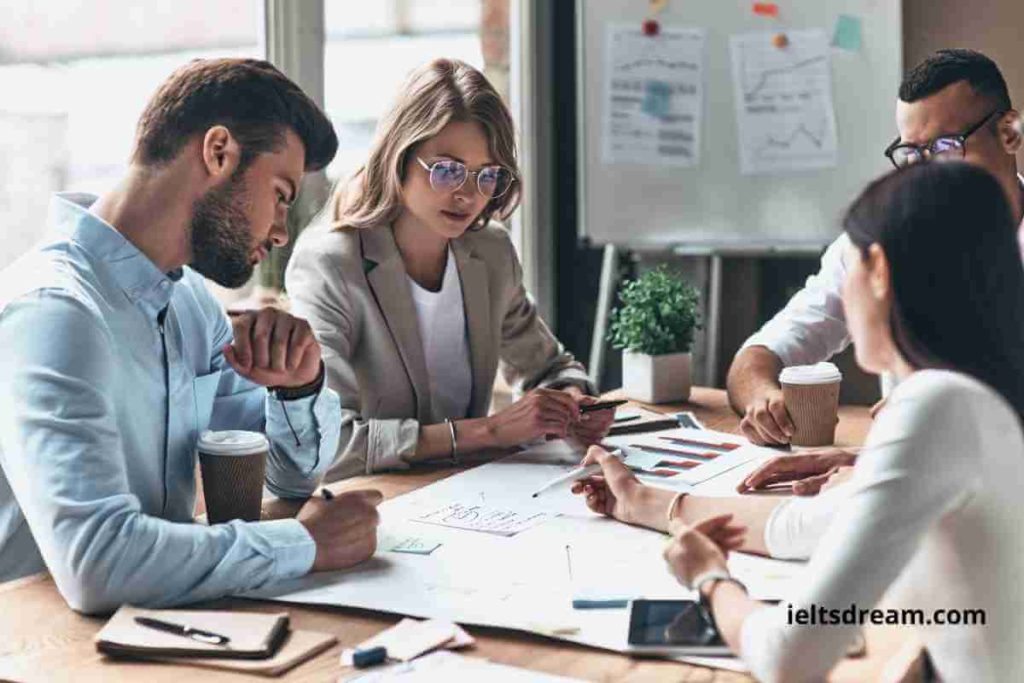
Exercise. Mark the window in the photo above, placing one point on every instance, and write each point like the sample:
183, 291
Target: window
369, 52
76, 76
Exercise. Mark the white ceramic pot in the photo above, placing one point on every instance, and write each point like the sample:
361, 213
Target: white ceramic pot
656, 379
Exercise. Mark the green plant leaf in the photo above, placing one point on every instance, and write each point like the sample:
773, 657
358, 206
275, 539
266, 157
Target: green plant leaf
658, 314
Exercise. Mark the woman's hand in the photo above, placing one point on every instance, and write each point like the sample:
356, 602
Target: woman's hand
591, 427
541, 412
702, 547
807, 471
615, 492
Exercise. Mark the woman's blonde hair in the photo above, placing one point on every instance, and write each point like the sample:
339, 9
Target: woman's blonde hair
433, 96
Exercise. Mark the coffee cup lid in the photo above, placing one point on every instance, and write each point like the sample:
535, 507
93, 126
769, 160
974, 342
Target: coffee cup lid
233, 442
819, 373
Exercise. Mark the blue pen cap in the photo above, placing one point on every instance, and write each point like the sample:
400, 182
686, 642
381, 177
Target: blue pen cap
369, 657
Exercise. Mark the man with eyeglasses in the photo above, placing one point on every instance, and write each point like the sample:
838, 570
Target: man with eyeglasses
954, 105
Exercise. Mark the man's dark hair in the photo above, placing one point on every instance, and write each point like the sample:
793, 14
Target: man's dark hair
946, 67
254, 100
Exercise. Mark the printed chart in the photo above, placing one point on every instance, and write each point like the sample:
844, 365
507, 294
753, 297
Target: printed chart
784, 107
654, 96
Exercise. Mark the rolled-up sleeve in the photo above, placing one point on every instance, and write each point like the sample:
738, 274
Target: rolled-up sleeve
320, 295
62, 453
303, 433
812, 326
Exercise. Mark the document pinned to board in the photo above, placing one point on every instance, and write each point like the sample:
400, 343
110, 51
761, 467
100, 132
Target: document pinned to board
654, 93
784, 108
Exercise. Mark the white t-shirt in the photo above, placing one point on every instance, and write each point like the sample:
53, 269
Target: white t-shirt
812, 326
442, 324
929, 519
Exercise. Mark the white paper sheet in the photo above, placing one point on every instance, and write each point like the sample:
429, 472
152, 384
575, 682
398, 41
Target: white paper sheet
783, 96
522, 581
654, 91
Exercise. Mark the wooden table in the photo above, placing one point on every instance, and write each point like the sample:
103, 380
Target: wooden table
42, 639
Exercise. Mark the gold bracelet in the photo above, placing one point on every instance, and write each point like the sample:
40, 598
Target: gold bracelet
669, 516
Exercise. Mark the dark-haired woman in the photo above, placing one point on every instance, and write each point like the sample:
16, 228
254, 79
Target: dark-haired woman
930, 516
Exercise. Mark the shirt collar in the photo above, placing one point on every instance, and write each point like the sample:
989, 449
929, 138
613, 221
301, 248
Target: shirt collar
140, 279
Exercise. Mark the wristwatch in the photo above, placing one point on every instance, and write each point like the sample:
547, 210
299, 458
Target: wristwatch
295, 393
712, 576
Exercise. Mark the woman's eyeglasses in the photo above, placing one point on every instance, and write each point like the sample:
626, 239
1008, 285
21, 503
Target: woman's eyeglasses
448, 175
942, 147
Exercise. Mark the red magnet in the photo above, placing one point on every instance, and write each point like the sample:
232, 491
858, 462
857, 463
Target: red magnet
650, 27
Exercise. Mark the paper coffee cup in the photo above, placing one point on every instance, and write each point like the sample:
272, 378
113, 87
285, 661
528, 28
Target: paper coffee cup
811, 393
233, 466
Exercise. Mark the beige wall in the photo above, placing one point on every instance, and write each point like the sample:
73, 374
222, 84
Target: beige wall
990, 26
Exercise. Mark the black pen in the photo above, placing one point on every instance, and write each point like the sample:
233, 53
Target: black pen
183, 630
601, 405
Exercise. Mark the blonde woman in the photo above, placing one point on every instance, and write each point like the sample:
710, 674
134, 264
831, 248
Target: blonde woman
417, 297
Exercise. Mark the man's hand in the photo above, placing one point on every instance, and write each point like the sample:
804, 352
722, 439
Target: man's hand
273, 348
343, 528
766, 421
808, 471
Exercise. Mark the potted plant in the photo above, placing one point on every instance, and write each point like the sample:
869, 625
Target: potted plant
654, 327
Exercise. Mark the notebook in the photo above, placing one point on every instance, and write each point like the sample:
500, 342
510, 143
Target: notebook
251, 635
298, 646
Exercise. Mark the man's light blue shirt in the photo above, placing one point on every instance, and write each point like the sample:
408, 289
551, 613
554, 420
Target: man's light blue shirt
100, 410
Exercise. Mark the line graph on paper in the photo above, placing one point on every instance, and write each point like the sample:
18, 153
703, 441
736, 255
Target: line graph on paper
784, 108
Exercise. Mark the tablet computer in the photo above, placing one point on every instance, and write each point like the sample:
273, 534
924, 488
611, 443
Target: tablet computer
672, 627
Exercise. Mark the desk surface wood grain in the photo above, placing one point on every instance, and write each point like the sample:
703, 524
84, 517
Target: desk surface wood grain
42, 639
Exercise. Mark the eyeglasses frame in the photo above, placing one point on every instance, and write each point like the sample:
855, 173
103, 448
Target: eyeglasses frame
927, 151
429, 168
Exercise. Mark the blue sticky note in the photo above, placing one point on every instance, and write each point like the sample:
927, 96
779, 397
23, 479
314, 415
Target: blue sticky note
848, 33
657, 99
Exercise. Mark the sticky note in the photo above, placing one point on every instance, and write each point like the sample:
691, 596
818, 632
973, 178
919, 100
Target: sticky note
766, 9
657, 99
847, 34
413, 546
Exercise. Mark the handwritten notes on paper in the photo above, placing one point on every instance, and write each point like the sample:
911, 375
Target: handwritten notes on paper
488, 520
653, 96
784, 107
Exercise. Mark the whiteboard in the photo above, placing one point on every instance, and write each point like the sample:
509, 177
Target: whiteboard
713, 205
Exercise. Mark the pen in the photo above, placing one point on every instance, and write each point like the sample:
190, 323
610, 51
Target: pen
326, 493
183, 630
602, 405
572, 475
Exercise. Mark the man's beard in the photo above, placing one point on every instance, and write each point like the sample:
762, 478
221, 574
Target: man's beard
221, 241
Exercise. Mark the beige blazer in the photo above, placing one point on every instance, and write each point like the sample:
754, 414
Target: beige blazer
352, 287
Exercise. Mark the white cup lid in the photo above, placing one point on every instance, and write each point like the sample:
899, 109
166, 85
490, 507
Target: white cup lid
233, 442
819, 373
